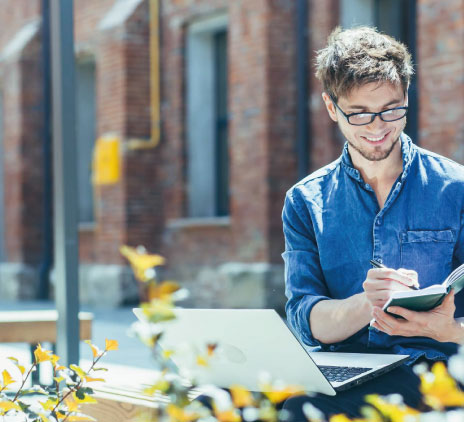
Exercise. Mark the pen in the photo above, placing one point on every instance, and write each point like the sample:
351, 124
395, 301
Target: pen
377, 264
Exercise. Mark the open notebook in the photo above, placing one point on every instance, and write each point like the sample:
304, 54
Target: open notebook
429, 297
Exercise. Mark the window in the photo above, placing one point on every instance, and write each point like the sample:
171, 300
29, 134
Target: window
85, 137
395, 18
206, 118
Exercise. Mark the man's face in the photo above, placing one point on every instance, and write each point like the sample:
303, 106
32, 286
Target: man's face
374, 141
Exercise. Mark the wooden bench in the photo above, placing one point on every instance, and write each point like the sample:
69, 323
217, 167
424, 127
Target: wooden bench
37, 327
120, 405
121, 397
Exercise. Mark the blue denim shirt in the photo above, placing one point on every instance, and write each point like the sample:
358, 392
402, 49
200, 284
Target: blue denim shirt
333, 226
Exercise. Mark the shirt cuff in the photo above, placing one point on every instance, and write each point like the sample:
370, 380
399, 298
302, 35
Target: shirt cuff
301, 319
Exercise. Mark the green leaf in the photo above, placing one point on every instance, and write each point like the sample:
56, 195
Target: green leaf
78, 370
86, 390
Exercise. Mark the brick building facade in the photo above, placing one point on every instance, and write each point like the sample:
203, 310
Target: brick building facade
209, 195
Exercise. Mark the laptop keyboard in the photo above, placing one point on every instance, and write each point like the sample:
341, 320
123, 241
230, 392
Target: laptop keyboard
341, 373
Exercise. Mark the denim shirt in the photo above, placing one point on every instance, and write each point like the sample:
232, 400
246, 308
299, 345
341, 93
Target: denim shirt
333, 226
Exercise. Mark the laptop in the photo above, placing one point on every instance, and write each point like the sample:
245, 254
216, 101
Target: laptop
253, 342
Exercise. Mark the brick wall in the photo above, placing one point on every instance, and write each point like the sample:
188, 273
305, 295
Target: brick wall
148, 205
324, 138
440, 38
14, 14
261, 132
23, 156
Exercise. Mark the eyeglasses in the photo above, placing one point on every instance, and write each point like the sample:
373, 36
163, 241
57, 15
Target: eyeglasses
360, 119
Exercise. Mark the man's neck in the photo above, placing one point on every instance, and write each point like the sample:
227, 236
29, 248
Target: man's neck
382, 170
380, 175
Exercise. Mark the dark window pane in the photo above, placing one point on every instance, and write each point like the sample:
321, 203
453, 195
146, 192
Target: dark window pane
222, 154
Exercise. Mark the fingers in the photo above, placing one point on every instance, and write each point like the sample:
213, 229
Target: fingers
448, 305
394, 326
392, 275
403, 312
412, 275
384, 322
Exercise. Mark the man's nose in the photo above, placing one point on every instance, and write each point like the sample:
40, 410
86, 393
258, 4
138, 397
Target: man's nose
377, 122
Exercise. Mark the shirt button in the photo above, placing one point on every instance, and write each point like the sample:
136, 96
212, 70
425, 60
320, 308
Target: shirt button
332, 348
379, 221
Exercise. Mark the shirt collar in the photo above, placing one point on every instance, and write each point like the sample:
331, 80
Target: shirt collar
408, 150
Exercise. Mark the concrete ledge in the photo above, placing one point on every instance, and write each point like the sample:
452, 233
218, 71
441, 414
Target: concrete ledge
18, 281
106, 285
237, 285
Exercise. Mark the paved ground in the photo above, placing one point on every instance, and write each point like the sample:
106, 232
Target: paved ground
112, 324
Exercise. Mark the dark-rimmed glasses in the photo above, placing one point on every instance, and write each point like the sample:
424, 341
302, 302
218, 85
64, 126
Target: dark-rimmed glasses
364, 118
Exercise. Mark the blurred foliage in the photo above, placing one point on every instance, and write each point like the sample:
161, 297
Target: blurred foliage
59, 402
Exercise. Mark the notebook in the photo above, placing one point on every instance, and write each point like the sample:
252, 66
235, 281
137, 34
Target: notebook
257, 343
429, 297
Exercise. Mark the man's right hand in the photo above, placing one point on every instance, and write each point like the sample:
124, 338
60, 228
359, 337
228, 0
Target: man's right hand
381, 282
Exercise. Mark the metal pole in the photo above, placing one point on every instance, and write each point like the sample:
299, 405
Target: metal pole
65, 180
47, 244
302, 87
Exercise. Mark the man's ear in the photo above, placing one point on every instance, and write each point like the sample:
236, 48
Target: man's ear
330, 106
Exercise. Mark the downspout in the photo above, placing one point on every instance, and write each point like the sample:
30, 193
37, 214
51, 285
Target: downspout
155, 91
47, 227
302, 89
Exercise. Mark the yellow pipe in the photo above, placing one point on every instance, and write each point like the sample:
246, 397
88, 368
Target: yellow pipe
154, 83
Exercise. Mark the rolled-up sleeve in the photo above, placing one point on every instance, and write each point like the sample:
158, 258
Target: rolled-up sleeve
304, 282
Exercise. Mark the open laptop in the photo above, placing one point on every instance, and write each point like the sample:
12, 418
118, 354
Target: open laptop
251, 342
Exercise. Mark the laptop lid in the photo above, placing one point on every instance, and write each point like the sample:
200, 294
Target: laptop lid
251, 343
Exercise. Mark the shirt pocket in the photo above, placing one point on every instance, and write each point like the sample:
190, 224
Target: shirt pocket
429, 252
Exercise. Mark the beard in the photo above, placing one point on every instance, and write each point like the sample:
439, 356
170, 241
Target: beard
377, 154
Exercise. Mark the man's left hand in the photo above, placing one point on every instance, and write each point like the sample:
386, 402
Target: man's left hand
438, 323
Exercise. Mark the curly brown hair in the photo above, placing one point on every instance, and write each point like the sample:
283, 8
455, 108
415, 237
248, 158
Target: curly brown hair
357, 56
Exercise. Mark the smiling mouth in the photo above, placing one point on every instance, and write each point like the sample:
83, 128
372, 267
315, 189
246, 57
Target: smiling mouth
377, 140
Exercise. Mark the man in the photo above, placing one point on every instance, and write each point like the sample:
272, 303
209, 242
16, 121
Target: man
383, 199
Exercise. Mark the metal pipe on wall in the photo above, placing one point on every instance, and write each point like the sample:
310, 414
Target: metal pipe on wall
47, 243
302, 88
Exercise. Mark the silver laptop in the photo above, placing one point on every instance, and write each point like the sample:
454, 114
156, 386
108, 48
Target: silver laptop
254, 342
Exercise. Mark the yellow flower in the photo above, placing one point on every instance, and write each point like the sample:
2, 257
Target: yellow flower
141, 262
277, 395
7, 379
202, 361
6, 406
95, 350
177, 414
158, 311
86, 399
49, 404
439, 389
111, 345
231, 415
42, 355
395, 412
163, 291
241, 397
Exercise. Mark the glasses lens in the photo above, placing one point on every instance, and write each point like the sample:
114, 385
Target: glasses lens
392, 115
360, 119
